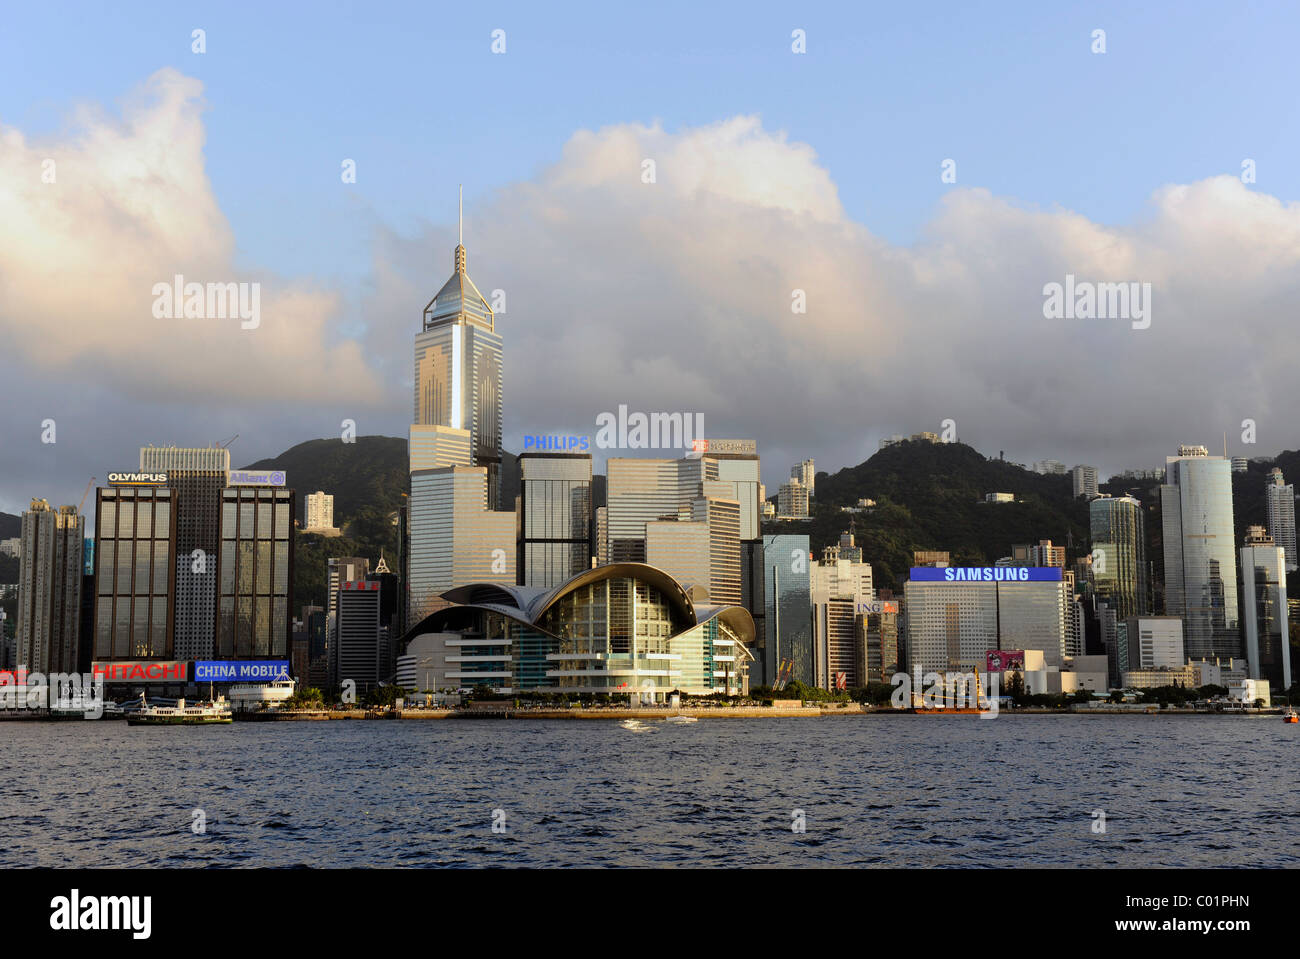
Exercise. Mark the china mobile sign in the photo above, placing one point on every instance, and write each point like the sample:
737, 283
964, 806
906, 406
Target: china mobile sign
141, 671
241, 671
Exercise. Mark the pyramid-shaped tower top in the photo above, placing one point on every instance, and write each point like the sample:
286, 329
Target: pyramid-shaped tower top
459, 297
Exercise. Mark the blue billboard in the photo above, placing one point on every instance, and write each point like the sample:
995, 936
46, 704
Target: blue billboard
241, 670
986, 574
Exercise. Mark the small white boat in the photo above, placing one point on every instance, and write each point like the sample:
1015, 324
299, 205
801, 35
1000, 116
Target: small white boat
181, 715
681, 719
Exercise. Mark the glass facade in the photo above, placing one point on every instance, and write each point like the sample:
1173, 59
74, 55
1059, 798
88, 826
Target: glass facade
555, 518
776, 589
1200, 557
135, 555
1119, 566
255, 573
616, 634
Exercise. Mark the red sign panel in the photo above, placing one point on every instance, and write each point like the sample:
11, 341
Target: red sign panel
142, 671
999, 660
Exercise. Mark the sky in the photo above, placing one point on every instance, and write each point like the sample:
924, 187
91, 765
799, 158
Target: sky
917, 178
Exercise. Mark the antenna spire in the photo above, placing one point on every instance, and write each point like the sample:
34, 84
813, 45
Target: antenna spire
461, 241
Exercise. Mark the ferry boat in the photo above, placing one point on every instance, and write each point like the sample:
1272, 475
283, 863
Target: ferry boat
1289, 715
201, 714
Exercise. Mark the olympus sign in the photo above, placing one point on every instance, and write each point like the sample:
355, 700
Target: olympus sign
137, 479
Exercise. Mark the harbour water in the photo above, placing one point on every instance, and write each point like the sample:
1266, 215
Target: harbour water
873, 791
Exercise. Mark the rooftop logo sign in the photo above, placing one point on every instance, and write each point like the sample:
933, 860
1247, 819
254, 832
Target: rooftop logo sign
986, 574
557, 444
257, 478
137, 479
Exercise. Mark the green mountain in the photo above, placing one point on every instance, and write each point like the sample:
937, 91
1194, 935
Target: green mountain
368, 479
10, 526
930, 496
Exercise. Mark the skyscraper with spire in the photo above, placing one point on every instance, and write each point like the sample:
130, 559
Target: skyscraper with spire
458, 381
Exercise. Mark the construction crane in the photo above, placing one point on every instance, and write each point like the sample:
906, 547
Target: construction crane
221, 445
85, 494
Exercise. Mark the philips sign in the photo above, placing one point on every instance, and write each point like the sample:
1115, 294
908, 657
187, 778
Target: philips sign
557, 444
241, 671
986, 574
256, 477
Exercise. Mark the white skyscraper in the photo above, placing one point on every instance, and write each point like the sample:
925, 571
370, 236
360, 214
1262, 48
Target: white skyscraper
320, 511
806, 473
1084, 481
1264, 606
1281, 516
1200, 561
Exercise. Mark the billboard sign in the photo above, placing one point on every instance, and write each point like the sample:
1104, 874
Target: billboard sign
257, 478
877, 606
566, 443
137, 479
1000, 660
141, 671
986, 574
740, 447
241, 670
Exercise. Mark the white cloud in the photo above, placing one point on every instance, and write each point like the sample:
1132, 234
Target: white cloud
131, 206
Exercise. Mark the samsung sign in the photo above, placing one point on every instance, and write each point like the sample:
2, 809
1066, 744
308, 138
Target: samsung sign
986, 574
256, 477
241, 671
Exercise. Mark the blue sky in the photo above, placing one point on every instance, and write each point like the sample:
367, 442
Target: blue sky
1011, 91
885, 93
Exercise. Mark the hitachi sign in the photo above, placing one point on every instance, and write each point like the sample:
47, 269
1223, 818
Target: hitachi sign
137, 479
142, 671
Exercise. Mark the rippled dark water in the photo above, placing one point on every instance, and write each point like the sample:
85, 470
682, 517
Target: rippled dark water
889, 791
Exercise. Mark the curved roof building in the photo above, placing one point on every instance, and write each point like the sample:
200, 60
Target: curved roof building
622, 628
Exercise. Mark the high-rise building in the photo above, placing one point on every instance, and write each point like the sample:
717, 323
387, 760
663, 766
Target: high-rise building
1281, 516
722, 519
1154, 642
135, 581
1265, 609
555, 517
680, 548
792, 500
840, 585
359, 633
1083, 481
340, 570
1049, 467
1118, 563
1042, 553
320, 511
455, 538
643, 491
255, 574
1240, 464
776, 589
458, 381
951, 625
1200, 562
805, 473
198, 476
49, 589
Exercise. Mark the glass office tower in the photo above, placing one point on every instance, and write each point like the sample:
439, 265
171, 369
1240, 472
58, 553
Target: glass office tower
135, 556
1119, 568
776, 589
554, 517
458, 373
255, 572
1265, 609
1200, 559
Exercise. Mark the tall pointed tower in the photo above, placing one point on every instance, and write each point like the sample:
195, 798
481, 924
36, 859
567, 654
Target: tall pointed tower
458, 376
